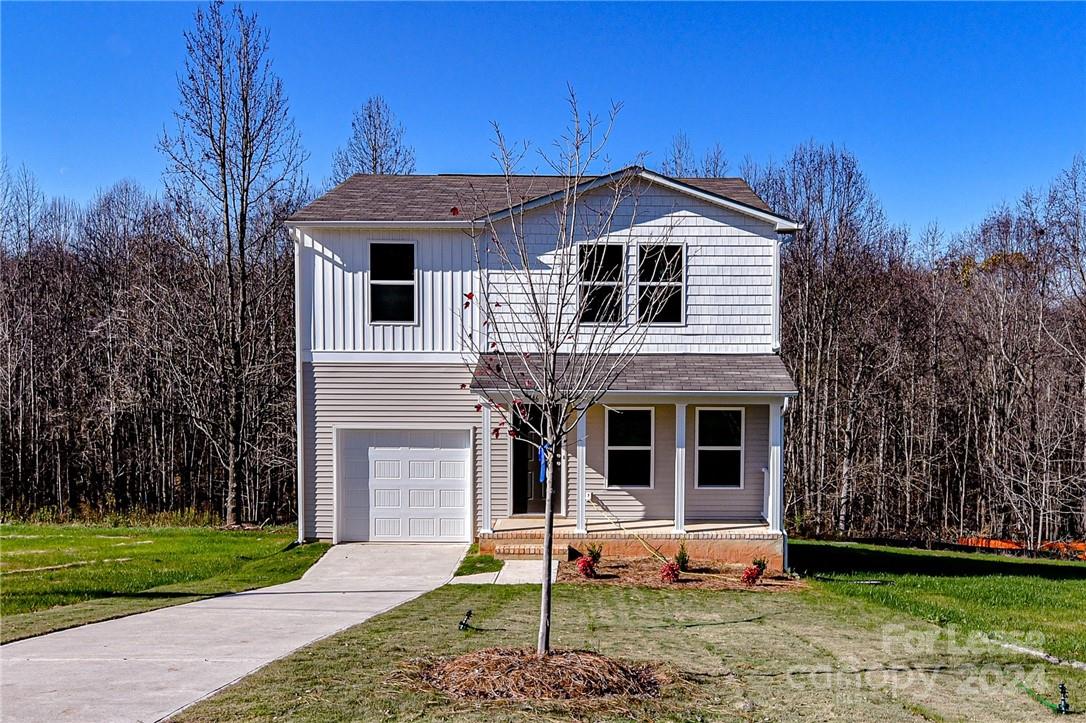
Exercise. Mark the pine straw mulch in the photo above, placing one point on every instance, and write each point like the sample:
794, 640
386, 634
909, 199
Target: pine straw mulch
645, 572
518, 674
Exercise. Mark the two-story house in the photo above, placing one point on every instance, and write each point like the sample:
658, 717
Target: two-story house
394, 445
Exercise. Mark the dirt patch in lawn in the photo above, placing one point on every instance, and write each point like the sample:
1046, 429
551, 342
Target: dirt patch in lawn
520, 674
702, 575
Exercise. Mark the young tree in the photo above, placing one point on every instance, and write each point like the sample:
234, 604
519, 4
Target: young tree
233, 175
548, 329
376, 145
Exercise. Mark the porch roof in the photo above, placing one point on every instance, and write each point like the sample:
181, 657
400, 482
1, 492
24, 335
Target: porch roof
679, 373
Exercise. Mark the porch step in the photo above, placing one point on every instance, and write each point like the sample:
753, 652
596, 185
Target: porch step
529, 551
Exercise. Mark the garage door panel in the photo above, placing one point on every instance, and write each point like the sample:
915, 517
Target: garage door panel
414, 484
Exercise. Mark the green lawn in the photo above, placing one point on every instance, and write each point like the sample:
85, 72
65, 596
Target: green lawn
59, 576
474, 563
1039, 603
818, 654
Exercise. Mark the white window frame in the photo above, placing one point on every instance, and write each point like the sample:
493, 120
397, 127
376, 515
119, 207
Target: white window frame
741, 448
681, 283
620, 284
607, 447
414, 282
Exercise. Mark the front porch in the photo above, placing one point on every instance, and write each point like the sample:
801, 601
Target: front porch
738, 541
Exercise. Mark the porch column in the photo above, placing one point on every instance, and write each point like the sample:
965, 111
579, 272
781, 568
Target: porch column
487, 522
680, 468
775, 516
582, 436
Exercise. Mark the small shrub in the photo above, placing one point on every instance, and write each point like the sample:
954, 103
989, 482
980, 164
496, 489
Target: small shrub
669, 573
586, 566
681, 558
761, 564
594, 552
751, 575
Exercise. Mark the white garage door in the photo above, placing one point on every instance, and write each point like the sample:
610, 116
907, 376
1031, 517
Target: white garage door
405, 485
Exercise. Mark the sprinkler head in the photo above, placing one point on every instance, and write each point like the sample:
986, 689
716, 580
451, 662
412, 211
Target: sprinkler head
465, 624
1064, 706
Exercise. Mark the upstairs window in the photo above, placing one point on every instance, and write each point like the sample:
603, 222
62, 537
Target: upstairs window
601, 269
629, 447
660, 284
392, 283
720, 448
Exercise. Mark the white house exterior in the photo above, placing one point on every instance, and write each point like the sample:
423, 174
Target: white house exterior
392, 446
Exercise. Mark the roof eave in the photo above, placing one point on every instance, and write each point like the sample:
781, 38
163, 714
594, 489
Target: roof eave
459, 223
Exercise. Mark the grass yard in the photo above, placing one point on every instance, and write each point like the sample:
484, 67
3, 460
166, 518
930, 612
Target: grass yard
824, 653
474, 563
1037, 603
58, 576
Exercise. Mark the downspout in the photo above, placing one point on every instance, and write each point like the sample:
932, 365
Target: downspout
784, 531
299, 433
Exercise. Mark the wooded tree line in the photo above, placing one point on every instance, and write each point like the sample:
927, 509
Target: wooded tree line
148, 338
942, 380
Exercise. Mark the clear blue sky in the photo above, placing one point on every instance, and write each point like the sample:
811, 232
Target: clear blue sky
950, 108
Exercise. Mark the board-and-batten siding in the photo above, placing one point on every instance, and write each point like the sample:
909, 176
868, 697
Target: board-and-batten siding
659, 502
334, 273
389, 396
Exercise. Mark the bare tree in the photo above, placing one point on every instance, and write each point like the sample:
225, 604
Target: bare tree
376, 145
680, 162
551, 328
234, 172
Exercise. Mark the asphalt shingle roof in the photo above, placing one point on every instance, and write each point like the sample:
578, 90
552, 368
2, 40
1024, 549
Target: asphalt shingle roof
762, 373
432, 198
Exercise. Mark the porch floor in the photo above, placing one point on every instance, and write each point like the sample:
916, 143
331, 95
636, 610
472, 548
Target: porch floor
565, 528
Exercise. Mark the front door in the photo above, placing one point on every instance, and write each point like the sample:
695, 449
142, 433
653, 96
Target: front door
528, 494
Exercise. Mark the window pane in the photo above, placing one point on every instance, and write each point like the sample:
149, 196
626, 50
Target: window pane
392, 303
629, 428
720, 428
392, 262
660, 263
602, 262
660, 304
718, 468
629, 467
601, 304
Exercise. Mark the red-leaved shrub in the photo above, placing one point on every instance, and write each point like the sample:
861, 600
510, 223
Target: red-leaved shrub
586, 566
670, 572
751, 575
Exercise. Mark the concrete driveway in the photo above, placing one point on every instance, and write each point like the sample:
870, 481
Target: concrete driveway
147, 666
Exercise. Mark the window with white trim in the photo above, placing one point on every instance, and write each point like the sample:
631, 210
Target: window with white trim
629, 447
660, 284
601, 272
719, 442
392, 283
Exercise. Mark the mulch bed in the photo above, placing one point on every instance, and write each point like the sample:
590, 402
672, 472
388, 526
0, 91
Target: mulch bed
645, 572
520, 674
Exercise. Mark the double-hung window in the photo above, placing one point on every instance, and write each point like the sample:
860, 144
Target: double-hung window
629, 447
601, 272
660, 284
719, 447
392, 283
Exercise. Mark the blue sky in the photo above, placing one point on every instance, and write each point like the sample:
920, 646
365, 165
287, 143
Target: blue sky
951, 108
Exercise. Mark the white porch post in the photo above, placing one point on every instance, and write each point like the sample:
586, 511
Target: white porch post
582, 436
775, 518
680, 468
487, 523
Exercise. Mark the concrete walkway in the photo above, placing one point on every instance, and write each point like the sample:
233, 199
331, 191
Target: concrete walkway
147, 666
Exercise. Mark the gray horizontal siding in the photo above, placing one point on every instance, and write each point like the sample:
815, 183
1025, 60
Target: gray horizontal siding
659, 502
388, 396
